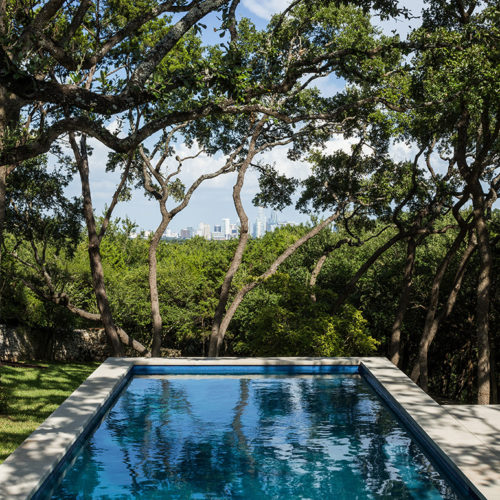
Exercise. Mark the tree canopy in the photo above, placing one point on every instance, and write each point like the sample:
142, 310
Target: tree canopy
422, 229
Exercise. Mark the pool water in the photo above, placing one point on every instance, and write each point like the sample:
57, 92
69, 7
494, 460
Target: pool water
250, 437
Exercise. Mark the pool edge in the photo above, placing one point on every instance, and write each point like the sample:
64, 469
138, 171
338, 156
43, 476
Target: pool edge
454, 442
441, 460
25, 470
29, 466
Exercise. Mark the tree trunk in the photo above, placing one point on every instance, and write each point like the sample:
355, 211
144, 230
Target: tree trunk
321, 262
483, 298
3, 204
270, 271
10, 108
102, 298
156, 318
420, 369
94, 249
494, 381
162, 195
124, 337
315, 272
217, 336
457, 282
404, 299
3, 208
63, 300
472, 176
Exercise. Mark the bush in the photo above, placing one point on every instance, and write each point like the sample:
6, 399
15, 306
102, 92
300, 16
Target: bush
280, 319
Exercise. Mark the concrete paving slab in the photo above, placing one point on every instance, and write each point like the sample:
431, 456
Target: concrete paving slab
484, 422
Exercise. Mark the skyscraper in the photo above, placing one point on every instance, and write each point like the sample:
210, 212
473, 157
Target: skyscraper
204, 231
260, 223
272, 222
217, 233
226, 228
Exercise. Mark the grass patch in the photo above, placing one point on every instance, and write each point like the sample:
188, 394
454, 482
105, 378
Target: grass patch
31, 394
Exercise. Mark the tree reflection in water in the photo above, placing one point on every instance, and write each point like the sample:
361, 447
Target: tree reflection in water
326, 436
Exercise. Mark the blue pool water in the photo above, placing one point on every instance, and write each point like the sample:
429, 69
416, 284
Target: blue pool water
250, 437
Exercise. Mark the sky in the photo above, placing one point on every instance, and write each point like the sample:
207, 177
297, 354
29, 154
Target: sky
213, 200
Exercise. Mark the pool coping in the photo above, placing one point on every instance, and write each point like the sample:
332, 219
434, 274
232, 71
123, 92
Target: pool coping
458, 440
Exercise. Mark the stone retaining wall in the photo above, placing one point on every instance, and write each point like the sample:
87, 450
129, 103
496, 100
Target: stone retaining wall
24, 344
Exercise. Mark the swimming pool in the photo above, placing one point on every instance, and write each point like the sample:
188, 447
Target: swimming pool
250, 436
239, 429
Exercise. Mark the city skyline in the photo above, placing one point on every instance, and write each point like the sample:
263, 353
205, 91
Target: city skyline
226, 229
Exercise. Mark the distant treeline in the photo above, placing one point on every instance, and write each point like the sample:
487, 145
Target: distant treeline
299, 311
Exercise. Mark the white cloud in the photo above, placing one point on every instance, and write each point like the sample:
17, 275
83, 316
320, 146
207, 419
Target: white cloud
195, 167
213, 199
401, 151
114, 126
204, 164
329, 86
265, 9
285, 166
339, 143
98, 158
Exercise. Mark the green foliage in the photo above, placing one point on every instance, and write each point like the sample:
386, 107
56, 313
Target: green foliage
280, 319
437, 92
37, 208
347, 335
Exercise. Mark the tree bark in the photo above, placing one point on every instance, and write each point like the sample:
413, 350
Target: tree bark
94, 248
420, 369
3, 205
494, 381
217, 335
472, 176
10, 108
483, 298
156, 318
3, 208
63, 300
404, 299
315, 273
162, 195
452, 298
457, 282
124, 337
321, 261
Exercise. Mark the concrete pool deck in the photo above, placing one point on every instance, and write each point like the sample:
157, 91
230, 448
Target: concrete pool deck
465, 436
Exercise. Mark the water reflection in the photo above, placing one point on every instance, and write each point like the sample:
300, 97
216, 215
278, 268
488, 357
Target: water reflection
325, 436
